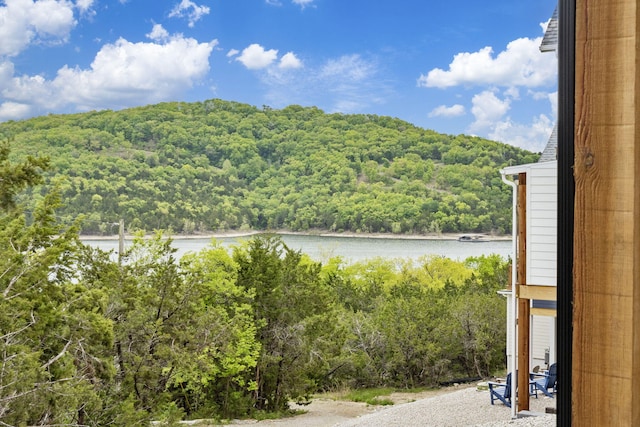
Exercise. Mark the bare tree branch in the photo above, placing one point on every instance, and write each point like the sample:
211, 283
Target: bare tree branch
58, 356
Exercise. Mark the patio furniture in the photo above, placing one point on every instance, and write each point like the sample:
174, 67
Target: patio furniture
546, 381
501, 391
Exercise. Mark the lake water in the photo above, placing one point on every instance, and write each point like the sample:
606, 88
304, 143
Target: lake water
351, 249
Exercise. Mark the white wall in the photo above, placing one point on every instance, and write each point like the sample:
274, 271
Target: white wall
541, 250
542, 209
542, 334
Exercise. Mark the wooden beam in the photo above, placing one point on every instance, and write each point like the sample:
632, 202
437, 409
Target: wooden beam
524, 332
547, 293
521, 207
549, 312
606, 278
524, 317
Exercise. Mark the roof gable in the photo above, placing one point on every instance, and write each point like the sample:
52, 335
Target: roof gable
550, 39
551, 150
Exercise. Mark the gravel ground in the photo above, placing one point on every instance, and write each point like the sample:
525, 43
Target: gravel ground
465, 407
453, 407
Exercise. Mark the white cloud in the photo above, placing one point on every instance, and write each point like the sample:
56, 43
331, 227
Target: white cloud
232, 52
122, 74
345, 105
348, 84
521, 64
348, 67
190, 10
84, 6
501, 77
544, 25
512, 92
30, 89
289, 60
350, 79
552, 97
52, 18
23, 22
256, 57
158, 33
444, 111
6, 73
13, 111
492, 121
553, 100
532, 137
487, 109
302, 3
538, 95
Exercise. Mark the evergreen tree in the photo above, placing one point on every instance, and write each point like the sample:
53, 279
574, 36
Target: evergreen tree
52, 334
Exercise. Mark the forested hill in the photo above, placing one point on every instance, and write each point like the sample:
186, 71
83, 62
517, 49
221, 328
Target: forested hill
219, 165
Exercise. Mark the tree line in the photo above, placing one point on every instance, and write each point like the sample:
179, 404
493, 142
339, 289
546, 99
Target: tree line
220, 165
91, 338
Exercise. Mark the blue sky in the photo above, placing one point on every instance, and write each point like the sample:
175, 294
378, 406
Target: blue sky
452, 66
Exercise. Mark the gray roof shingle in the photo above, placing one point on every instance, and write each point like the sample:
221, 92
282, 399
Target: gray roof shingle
550, 152
550, 39
550, 44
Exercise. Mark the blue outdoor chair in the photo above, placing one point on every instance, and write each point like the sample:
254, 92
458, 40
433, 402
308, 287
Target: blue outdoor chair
545, 381
501, 391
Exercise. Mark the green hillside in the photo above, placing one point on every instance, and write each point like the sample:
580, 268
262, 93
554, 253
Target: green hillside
218, 165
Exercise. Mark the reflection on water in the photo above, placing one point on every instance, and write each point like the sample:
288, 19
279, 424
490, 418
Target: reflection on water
351, 249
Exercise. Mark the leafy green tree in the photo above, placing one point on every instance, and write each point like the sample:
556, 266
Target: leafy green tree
91, 339
475, 326
291, 308
415, 324
100, 272
216, 379
52, 333
475, 333
296, 168
18, 176
408, 319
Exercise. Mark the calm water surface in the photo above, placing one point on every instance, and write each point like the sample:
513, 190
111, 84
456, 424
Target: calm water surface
351, 249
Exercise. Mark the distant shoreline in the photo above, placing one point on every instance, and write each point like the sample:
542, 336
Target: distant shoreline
319, 233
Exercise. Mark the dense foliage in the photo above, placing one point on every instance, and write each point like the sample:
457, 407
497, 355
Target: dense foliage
90, 338
219, 165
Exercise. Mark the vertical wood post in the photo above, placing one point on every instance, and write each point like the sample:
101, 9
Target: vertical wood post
524, 315
606, 285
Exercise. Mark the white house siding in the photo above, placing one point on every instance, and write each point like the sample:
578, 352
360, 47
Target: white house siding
510, 329
542, 191
542, 209
542, 333
541, 247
